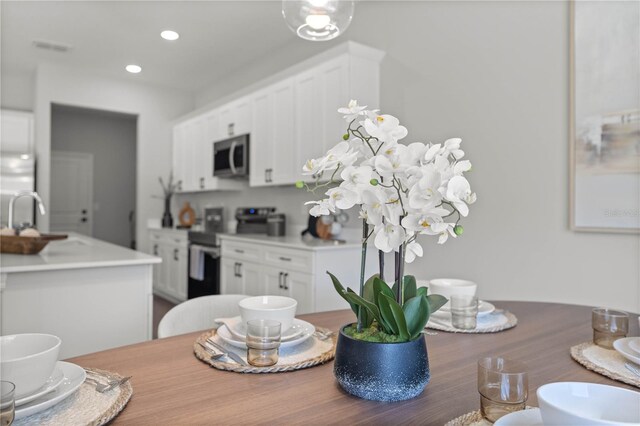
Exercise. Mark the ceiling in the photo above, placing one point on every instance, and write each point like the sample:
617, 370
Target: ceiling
216, 37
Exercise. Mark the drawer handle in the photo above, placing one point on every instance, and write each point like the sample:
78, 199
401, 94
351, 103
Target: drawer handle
280, 284
239, 251
286, 275
155, 249
175, 254
285, 259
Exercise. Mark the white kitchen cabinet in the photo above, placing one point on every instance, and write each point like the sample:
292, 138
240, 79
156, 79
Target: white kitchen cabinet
241, 277
170, 278
16, 131
283, 282
235, 118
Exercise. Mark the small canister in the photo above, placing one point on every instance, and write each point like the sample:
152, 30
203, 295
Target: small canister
276, 224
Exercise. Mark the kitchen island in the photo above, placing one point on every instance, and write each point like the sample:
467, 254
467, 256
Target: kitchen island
92, 294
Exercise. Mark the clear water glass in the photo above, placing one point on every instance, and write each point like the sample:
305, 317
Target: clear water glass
7, 403
608, 326
263, 342
464, 311
503, 385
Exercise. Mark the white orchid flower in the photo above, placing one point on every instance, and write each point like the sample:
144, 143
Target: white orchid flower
430, 222
462, 166
444, 236
432, 152
388, 237
413, 250
352, 111
387, 167
342, 198
356, 177
385, 128
424, 194
321, 208
314, 167
452, 146
459, 190
373, 205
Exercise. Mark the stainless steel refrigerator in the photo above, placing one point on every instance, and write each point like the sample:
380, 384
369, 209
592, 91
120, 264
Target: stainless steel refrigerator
17, 173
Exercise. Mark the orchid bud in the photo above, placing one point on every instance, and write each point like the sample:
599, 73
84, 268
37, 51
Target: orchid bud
374, 182
299, 184
458, 230
345, 136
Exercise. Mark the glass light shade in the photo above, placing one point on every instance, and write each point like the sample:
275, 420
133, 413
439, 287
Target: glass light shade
318, 20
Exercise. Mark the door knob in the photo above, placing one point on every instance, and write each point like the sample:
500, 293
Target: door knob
84, 211
84, 219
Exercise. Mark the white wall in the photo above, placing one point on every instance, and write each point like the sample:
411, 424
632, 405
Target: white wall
496, 74
155, 108
16, 90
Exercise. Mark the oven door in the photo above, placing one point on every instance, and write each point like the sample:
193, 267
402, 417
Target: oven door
210, 282
231, 157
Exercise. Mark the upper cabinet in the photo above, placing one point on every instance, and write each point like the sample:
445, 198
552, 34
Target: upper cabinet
16, 131
291, 118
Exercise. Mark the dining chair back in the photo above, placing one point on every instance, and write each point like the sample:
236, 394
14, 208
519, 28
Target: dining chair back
198, 314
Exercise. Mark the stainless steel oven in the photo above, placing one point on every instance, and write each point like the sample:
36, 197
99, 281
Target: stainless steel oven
204, 256
231, 157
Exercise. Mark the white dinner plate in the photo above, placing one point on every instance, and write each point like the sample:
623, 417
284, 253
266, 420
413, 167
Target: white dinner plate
52, 382
622, 346
307, 331
73, 378
484, 308
530, 417
238, 328
634, 343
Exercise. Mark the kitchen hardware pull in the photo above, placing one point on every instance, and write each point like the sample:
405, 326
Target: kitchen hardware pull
235, 269
239, 270
239, 251
280, 285
175, 254
266, 175
180, 186
285, 259
232, 152
155, 249
84, 211
270, 175
286, 275
84, 219
201, 183
230, 129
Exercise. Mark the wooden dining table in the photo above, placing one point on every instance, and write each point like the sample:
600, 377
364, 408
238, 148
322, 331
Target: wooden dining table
171, 386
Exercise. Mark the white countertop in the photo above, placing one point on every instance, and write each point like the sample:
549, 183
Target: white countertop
292, 241
76, 252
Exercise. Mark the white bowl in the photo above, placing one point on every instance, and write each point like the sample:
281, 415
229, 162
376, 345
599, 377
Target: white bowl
277, 308
451, 286
28, 360
576, 403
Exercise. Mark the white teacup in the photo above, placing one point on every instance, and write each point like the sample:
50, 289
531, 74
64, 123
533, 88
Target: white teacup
278, 308
452, 286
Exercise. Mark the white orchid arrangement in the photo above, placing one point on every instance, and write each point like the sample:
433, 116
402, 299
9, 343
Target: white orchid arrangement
403, 191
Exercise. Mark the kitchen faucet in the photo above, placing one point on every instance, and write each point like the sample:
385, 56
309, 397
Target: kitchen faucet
20, 194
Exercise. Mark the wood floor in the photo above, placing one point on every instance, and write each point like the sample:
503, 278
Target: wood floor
160, 307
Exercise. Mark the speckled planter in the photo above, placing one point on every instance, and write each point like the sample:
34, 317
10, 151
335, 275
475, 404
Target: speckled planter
381, 371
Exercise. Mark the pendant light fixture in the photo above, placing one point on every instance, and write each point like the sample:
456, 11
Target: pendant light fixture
318, 20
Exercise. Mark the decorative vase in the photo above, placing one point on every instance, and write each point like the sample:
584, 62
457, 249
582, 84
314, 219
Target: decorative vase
381, 371
167, 219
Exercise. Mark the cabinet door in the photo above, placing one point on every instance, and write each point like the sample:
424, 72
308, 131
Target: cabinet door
284, 158
179, 155
242, 116
228, 276
251, 276
299, 285
177, 277
194, 135
334, 93
16, 131
165, 269
274, 281
157, 267
307, 138
211, 134
260, 149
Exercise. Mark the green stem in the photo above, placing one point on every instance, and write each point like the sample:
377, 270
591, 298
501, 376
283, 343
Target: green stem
363, 261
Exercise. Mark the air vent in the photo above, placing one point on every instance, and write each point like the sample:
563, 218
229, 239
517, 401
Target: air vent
51, 45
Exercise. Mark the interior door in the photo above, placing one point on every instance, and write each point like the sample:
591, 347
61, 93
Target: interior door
71, 202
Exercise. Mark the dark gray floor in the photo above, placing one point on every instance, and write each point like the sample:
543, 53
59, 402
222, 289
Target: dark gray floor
160, 307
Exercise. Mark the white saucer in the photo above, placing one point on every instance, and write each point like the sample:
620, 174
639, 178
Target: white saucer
52, 382
484, 308
530, 417
73, 378
634, 344
307, 331
238, 328
622, 346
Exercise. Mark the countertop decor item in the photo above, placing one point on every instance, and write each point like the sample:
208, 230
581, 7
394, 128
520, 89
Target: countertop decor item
187, 216
607, 362
27, 245
403, 191
169, 189
314, 351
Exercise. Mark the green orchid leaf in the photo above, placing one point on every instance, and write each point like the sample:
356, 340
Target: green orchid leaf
380, 287
389, 321
342, 292
436, 301
397, 315
416, 312
422, 291
372, 309
368, 293
410, 287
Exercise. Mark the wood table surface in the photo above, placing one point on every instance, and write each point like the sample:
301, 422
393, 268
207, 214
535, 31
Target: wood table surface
171, 386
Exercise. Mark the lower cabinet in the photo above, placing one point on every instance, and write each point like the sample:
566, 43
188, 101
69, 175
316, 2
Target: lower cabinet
240, 277
170, 278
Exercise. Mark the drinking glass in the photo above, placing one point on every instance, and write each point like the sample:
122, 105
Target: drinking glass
503, 385
263, 341
464, 311
7, 403
608, 326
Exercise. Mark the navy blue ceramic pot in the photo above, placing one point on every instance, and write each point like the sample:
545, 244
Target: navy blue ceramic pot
381, 371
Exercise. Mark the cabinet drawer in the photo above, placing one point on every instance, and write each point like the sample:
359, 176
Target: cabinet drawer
241, 251
169, 237
292, 260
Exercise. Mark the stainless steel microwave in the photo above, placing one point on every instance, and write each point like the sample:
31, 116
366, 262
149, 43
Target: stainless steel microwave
231, 157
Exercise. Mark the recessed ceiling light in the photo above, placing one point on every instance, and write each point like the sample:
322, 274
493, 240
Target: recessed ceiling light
133, 69
169, 35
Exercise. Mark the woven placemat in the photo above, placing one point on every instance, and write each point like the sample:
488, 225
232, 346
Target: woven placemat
311, 352
492, 324
607, 362
473, 418
86, 406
